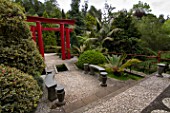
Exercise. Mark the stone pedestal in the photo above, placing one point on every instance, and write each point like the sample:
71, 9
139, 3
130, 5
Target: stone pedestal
161, 68
60, 95
86, 68
51, 93
103, 79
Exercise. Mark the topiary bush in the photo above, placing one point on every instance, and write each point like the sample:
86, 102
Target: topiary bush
91, 57
17, 49
19, 92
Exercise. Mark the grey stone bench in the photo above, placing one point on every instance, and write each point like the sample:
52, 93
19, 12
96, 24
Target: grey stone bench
95, 67
50, 84
101, 70
54, 91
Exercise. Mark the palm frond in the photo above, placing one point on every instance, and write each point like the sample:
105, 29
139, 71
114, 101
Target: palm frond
107, 38
113, 60
98, 21
90, 40
122, 57
129, 63
114, 31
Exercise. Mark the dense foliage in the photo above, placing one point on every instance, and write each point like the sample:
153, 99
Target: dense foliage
17, 48
49, 37
154, 33
19, 92
33, 7
91, 57
137, 29
76, 14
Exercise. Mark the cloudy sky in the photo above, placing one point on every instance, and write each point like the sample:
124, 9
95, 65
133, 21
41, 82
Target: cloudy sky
158, 6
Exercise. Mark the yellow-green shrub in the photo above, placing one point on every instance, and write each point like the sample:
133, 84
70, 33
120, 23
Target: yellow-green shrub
17, 49
19, 92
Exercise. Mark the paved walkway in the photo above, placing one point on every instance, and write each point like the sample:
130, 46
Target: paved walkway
85, 95
147, 97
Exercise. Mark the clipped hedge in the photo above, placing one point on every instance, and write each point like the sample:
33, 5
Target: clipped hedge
19, 92
17, 48
91, 57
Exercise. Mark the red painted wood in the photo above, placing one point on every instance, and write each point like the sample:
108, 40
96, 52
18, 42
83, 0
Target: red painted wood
50, 20
62, 41
33, 28
40, 40
68, 43
53, 29
50, 29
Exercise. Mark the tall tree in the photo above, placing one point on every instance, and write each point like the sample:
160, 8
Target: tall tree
154, 33
141, 9
84, 8
125, 34
108, 14
52, 8
76, 14
95, 13
63, 15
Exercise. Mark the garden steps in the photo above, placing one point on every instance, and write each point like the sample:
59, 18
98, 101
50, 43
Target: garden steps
135, 72
103, 93
134, 99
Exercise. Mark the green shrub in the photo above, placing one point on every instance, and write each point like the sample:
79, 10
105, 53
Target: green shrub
19, 92
91, 57
17, 48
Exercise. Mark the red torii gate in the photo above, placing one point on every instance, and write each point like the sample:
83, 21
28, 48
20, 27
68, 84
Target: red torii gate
65, 43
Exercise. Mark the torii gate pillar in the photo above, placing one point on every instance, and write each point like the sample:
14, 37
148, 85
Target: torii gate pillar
40, 40
62, 41
68, 43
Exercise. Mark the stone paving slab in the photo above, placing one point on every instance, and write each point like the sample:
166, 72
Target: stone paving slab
133, 100
161, 104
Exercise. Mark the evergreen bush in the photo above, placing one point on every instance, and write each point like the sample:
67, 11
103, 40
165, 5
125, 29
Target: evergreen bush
91, 57
19, 92
17, 49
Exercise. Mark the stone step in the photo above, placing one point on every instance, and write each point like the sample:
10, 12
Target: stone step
129, 100
103, 93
